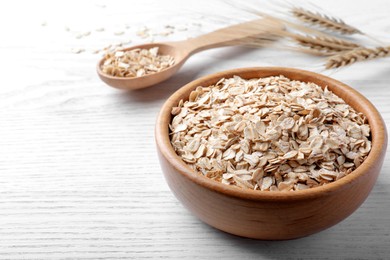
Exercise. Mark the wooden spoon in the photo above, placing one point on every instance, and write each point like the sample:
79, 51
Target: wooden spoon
182, 50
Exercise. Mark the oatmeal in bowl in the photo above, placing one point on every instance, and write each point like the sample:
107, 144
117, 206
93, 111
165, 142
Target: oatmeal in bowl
269, 133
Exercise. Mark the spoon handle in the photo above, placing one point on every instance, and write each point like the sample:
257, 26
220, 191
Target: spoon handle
231, 35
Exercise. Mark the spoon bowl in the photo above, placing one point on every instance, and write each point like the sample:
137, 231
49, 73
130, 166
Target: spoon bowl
170, 49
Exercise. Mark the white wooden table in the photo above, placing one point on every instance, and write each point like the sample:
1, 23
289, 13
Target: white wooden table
79, 176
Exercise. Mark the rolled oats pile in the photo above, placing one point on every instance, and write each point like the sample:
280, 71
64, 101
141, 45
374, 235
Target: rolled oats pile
135, 63
269, 134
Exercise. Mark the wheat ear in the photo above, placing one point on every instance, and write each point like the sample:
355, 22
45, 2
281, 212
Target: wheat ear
361, 54
327, 22
255, 44
313, 48
325, 44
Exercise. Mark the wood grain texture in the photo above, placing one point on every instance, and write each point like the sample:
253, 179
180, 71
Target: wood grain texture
79, 174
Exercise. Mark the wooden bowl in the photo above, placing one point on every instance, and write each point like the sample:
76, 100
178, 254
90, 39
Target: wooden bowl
272, 215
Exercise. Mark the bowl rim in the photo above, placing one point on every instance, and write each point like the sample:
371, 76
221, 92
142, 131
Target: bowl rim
378, 136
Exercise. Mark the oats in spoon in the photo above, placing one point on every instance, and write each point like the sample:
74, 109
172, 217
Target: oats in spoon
135, 63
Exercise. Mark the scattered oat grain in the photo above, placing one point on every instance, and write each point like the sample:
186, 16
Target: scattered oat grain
77, 50
118, 33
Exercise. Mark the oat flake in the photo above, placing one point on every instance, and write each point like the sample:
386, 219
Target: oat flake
269, 134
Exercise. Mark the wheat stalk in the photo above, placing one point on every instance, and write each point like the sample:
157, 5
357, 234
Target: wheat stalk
322, 43
313, 41
359, 54
327, 22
